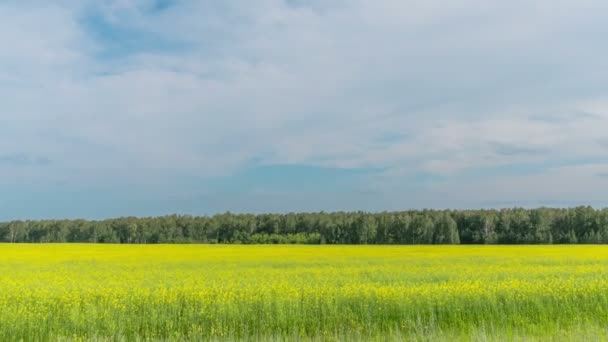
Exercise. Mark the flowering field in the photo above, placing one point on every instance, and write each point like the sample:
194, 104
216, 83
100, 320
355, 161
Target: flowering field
194, 292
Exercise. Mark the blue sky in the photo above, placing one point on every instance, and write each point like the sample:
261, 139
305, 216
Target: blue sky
149, 107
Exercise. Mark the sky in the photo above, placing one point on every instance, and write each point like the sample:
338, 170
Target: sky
151, 107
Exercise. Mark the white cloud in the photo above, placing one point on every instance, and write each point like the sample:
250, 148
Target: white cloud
464, 85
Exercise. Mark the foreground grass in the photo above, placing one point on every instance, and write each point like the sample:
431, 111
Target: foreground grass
198, 292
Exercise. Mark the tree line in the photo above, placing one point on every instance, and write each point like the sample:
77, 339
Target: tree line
505, 226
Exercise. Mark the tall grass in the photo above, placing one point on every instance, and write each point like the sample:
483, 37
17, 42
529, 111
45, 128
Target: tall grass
179, 292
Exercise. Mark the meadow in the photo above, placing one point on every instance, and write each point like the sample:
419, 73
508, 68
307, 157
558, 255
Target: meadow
284, 292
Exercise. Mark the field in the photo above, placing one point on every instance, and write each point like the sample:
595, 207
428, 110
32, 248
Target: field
209, 292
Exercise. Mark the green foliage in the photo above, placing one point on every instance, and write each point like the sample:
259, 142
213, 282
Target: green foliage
506, 226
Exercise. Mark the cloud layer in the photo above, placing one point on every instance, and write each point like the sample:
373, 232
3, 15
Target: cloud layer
459, 104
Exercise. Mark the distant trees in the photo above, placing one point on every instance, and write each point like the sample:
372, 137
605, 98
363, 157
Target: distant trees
506, 226
445, 230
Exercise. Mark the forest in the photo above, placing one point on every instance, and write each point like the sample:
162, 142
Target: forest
506, 226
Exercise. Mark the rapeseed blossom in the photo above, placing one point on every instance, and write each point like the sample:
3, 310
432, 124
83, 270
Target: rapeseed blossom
203, 292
